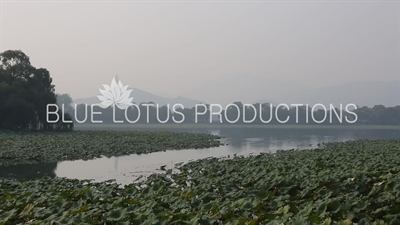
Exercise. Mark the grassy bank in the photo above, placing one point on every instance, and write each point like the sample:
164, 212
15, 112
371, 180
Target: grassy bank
52, 147
350, 182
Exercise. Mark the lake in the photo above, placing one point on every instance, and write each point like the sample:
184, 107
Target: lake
240, 141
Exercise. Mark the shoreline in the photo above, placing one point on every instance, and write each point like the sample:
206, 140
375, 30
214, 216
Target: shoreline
230, 126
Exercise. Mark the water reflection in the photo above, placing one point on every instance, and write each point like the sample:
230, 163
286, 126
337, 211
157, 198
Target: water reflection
28, 171
126, 169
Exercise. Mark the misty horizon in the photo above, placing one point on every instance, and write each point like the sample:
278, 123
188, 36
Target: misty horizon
214, 52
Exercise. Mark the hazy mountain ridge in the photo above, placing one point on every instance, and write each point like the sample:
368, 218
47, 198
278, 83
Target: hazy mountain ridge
140, 96
252, 88
363, 93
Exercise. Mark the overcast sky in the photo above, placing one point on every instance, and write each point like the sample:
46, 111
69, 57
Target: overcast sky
171, 48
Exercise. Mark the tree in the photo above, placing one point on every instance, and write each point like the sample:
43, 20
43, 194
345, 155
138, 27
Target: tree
25, 92
66, 101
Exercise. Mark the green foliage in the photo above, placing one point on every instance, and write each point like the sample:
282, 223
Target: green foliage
25, 92
31, 147
354, 182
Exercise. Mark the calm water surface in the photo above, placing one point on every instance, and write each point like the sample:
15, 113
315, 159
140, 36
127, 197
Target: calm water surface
126, 169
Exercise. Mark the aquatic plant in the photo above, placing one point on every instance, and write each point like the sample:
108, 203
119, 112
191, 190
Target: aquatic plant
33, 147
353, 182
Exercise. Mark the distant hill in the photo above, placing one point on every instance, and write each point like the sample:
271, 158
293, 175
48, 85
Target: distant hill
249, 88
257, 89
140, 96
362, 93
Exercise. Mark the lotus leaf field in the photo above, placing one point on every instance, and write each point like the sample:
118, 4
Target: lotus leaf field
353, 182
52, 147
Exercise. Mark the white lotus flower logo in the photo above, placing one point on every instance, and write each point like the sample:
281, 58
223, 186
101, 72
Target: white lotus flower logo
116, 95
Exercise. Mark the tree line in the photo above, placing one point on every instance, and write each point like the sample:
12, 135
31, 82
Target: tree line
236, 113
